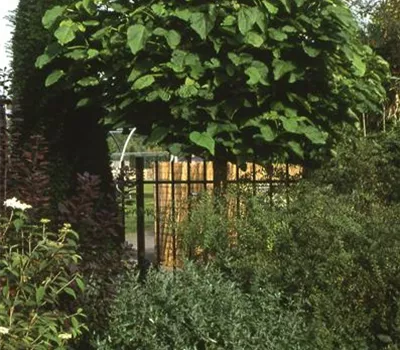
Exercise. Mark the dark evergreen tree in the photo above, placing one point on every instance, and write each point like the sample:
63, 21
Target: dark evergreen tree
76, 139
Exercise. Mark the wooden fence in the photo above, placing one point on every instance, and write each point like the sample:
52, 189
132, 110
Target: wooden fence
174, 183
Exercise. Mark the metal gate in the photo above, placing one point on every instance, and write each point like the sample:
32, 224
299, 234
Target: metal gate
175, 181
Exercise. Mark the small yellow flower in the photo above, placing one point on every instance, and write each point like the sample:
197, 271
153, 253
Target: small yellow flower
4, 330
44, 221
65, 336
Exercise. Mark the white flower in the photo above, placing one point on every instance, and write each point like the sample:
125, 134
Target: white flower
65, 336
14, 203
4, 330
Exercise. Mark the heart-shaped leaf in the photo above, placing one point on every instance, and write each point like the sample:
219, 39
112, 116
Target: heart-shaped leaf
203, 140
51, 16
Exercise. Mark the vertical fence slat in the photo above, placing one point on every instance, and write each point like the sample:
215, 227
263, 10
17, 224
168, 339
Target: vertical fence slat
254, 178
189, 176
189, 194
287, 183
140, 228
173, 211
157, 212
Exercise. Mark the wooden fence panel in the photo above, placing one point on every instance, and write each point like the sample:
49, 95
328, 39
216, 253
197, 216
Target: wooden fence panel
182, 180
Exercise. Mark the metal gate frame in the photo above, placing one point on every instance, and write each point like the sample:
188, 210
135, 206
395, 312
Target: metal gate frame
156, 182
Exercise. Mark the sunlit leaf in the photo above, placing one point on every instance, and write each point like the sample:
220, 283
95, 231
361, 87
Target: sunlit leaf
137, 37
203, 140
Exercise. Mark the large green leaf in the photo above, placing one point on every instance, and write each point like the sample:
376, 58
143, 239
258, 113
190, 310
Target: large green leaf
54, 77
42, 60
267, 133
173, 38
91, 23
355, 59
83, 102
143, 82
296, 148
257, 73
282, 67
137, 37
203, 140
242, 58
159, 9
253, 74
88, 81
65, 33
277, 35
289, 124
188, 91
247, 17
202, 23
314, 134
77, 54
254, 39
183, 14
160, 31
261, 20
135, 73
52, 51
52, 15
310, 51
272, 9
157, 135
89, 6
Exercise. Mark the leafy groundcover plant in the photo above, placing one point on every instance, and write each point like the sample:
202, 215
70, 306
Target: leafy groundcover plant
198, 308
38, 279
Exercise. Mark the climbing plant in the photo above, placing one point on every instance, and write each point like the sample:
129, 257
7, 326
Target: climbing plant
226, 79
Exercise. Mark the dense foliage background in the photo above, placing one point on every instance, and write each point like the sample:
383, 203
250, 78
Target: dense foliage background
315, 268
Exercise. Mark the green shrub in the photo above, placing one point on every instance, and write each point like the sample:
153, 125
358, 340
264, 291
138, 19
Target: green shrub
37, 281
198, 308
205, 233
342, 264
366, 168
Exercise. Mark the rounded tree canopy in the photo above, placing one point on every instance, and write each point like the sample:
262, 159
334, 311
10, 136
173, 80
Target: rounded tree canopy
234, 79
